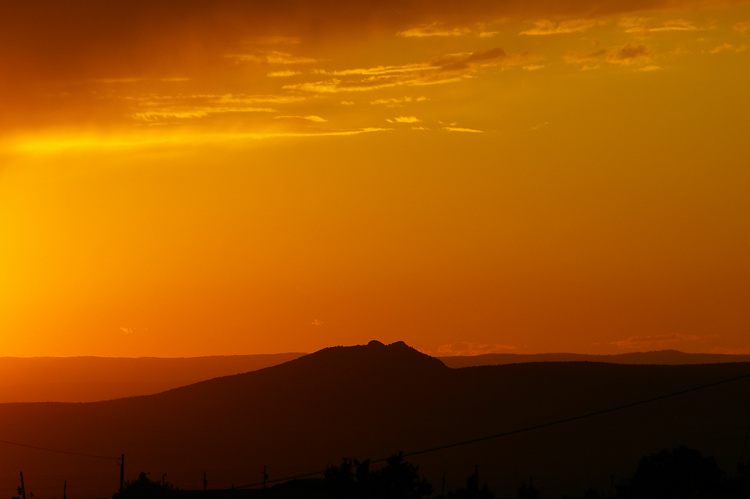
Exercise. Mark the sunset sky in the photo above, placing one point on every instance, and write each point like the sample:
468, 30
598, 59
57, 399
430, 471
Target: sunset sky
188, 178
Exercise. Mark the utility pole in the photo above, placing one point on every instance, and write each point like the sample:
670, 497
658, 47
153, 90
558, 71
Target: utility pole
65, 490
163, 479
23, 487
122, 474
205, 482
442, 493
265, 476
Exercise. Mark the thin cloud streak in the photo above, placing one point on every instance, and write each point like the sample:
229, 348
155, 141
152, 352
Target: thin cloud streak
546, 27
659, 341
469, 348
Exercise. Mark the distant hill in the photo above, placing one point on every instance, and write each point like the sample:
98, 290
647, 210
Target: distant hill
662, 357
373, 401
90, 379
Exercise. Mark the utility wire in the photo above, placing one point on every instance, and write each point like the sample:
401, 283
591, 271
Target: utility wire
59, 451
527, 429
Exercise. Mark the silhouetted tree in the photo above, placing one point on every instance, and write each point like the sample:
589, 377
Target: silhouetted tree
472, 490
145, 488
675, 474
398, 479
740, 484
591, 494
526, 491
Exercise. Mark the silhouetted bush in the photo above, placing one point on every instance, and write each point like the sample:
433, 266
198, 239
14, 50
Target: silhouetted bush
676, 474
398, 479
145, 488
526, 491
472, 490
591, 494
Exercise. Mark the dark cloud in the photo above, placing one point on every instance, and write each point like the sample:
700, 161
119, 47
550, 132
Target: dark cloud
49, 47
123, 38
629, 54
576, 57
462, 62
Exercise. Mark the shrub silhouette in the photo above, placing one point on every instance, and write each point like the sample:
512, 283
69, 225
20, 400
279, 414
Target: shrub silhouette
145, 488
674, 474
591, 494
398, 479
526, 491
472, 490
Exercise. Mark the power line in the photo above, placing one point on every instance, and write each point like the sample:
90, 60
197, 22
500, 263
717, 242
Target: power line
527, 429
576, 418
59, 451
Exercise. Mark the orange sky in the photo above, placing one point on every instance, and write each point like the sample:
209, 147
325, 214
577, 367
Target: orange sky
200, 178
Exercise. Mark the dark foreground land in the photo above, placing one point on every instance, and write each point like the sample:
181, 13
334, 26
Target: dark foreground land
679, 473
374, 401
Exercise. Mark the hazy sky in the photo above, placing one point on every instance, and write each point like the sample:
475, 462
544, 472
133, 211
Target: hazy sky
185, 178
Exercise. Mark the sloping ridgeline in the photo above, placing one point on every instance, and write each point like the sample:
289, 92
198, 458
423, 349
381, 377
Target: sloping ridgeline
373, 401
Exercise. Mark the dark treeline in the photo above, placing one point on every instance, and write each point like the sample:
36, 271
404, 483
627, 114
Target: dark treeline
679, 473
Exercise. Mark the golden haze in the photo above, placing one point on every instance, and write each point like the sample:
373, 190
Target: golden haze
241, 177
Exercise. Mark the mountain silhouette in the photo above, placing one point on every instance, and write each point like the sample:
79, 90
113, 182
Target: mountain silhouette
92, 379
373, 401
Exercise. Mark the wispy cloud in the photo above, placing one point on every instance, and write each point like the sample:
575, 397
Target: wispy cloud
377, 70
727, 47
643, 27
270, 57
196, 112
434, 29
448, 68
397, 101
466, 348
405, 119
482, 58
181, 107
742, 27
461, 129
579, 57
626, 55
442, 30
336, 85
547, 27
659, 340
629, 54
316, 119
283, 74
220, 99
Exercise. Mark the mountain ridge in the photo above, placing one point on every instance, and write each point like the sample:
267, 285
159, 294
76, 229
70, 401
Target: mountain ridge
90, 378
375, 400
